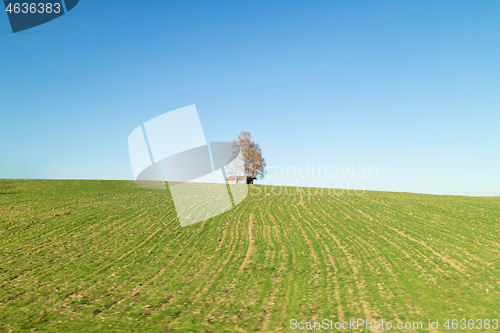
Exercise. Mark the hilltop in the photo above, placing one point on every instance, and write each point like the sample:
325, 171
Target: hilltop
110, 256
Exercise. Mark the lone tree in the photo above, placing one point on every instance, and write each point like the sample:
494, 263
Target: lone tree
255, 164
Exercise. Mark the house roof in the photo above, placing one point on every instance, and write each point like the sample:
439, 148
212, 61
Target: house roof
234, 178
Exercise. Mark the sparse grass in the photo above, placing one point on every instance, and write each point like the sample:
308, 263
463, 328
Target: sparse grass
107, 256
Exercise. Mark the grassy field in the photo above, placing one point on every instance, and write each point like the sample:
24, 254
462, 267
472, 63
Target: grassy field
107, 256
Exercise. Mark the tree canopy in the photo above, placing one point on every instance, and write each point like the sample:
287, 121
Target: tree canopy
255, 164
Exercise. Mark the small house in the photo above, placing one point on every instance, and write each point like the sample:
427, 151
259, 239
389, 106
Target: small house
236, 180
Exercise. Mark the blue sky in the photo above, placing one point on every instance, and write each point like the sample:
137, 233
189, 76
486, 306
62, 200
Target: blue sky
408, 87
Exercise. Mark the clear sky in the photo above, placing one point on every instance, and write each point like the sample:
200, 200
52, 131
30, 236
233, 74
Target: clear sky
411, 88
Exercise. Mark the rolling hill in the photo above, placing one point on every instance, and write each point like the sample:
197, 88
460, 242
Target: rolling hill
108, 256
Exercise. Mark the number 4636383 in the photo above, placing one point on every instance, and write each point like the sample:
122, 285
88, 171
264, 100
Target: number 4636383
33, 8
471, 324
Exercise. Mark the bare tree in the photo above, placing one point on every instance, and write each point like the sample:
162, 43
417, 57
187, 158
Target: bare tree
255, 164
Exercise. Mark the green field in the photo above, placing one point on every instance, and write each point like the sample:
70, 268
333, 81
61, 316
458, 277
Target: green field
108, 256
